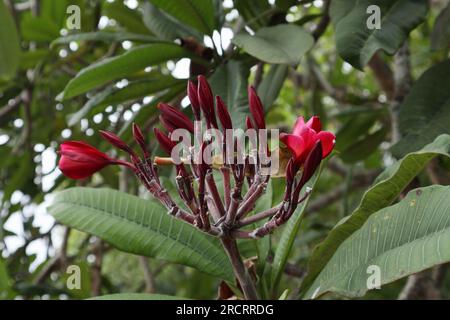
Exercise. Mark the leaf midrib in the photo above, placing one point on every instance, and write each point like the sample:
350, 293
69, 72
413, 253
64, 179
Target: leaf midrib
345, 272
143, 226
201, 18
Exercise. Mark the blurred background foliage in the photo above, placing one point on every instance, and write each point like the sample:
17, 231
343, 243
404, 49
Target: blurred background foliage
58, 84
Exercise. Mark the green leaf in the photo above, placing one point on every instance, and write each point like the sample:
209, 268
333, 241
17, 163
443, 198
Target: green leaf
164, 26
136, 296
281, 44
198, 14
289, 234
9, 45
106, 36
440, 37
355, 128
22, 174
40, 29
98, 98
5, 281
29, 59
230, 83
270, 86
121, 66
255, 13
54, 11
425, 112
363, 148
113, 95
340, 8
356, 43
387, 187
408, 237
128, 18
141, 227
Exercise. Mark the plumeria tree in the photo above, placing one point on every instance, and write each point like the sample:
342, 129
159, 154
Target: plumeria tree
283, 149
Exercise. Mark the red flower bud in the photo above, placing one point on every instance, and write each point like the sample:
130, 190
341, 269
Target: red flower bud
312, 162
193, 98
256, 108
175, 119
119, 143
115, 140
206, 100
80, 160
248, 123
139, 137
164, 141
167, 125
224, 115
290, 171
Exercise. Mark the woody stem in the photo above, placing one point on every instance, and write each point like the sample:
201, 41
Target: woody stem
241, 273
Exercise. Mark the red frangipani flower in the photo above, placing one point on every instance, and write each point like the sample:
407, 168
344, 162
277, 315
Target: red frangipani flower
305, 136
80, 160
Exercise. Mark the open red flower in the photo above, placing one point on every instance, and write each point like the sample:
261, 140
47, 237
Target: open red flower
80, 160
305, 136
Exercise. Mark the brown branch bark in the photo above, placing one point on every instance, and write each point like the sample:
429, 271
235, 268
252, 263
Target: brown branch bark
12, 106
96, 269
148, 275
323, 23
403, 81
241, 273
383, 74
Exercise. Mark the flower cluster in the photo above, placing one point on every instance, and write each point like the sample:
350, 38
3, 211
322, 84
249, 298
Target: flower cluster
223, 215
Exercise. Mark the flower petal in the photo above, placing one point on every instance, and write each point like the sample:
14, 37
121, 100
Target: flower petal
314, 123
295, 144
328, 140
79, 170
82, 152
309, 137
298, 126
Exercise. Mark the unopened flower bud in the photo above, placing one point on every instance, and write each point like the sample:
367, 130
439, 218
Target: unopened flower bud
119, 143
192, 92
312, 162
80, 160
224, 115
166, 144
248, 123
206, 100
175, 118
139, 137
256, 108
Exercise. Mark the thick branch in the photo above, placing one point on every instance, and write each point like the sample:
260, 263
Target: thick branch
241, 273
